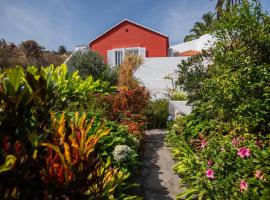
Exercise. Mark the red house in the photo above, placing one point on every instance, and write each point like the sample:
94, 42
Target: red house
129, 37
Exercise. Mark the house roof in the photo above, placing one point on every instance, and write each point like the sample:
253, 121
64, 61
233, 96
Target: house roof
132, 22
189, 53
204, 42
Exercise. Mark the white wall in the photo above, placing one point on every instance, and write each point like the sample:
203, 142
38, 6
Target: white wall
204, 42
179, 107
153, 71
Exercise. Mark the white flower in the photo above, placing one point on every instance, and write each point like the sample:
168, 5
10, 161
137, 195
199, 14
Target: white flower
121, 153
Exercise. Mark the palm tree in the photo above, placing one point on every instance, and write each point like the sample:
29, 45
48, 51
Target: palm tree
201, 28
222, 5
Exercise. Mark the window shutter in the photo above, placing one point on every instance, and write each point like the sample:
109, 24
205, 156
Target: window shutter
142, 52
110, 57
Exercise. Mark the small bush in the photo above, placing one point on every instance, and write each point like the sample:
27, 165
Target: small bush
157, 112
178, 95
90, 63
126, 107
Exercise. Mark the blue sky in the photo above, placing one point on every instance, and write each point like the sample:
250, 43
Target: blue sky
74, 22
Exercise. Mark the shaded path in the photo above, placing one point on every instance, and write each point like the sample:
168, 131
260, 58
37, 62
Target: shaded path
158, 180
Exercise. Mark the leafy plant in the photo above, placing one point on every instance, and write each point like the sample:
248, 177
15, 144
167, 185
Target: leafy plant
47, 157
90, 63
178, 96
201, 28
157, 113
126, 107
222, 148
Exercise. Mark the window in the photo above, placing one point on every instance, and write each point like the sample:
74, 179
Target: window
118, 57
132, 51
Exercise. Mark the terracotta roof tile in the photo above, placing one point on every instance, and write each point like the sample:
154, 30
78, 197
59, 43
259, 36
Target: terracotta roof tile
189, 53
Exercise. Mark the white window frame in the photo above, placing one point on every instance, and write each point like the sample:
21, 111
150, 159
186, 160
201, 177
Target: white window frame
118, 60
132, 48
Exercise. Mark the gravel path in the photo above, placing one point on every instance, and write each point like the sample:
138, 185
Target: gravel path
158, 180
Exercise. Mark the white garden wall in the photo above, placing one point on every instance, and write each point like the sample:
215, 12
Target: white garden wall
153, 71
179, 107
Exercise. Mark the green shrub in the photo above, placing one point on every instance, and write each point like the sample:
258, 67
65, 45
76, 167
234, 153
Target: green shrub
90, 63
222, 147
157, 113
233, 88
178, 96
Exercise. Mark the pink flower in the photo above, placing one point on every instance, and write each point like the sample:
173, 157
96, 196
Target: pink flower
243, 185
243, 152
210, 163
259, 175
235, 142
210, 174
203, 143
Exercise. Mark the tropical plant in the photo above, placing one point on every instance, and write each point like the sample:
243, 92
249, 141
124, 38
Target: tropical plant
48, 154
226, 5
201, 28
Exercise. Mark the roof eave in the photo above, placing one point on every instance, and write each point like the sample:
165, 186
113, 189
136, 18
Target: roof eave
159, 33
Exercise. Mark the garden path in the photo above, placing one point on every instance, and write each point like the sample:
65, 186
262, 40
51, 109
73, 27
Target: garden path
158, 181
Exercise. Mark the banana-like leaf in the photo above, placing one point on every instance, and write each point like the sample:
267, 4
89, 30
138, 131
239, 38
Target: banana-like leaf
14, 77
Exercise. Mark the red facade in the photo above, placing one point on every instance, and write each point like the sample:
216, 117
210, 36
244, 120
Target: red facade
129, 34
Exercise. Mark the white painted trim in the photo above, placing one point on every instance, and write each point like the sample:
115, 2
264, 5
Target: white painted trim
124, 20
123, 50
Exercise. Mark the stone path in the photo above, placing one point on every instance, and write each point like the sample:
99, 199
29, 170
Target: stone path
158, 180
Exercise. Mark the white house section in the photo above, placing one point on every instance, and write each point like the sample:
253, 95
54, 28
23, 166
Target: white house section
116, 56
153, 71
204, 42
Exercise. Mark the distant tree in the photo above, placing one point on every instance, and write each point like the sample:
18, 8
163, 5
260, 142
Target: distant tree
62, 49
201, 28
91, 63
7, 54
31, 48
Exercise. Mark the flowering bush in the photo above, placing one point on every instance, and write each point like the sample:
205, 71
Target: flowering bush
223, 170
222, 147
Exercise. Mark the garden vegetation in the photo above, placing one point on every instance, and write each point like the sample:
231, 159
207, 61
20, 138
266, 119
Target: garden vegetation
60, 141
222, 147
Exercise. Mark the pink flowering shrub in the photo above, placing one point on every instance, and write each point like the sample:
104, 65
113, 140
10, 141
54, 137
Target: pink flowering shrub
222, 148
228, 167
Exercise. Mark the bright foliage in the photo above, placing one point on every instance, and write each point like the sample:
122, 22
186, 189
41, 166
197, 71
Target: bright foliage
222, 147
